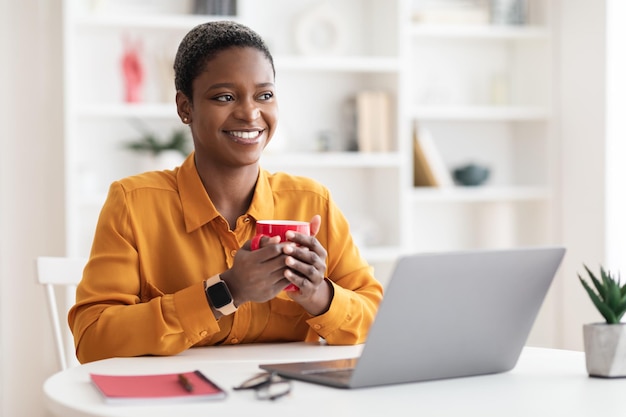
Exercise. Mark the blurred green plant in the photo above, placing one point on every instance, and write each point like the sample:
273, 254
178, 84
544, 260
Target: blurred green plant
151, 143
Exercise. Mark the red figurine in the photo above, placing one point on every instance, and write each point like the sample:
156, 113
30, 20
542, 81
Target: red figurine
132, 70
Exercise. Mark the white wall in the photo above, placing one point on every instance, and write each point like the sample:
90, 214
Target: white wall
616, 136
3, 134
582, 55
31, 190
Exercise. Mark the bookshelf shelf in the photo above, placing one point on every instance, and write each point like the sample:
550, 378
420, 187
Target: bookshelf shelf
478, 32
479, 194
363, 64
332, 159
140, 21
123, 110
481, 113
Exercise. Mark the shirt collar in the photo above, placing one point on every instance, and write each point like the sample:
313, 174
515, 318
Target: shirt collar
198, 209
262, 205
196, 204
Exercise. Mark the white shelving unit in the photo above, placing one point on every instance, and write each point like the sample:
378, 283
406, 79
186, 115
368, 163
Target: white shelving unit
440, 76
484, 93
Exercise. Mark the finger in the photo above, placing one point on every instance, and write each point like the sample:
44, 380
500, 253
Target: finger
255, 243
309, 243
294, 279
259, 241
298, 238
291, 288
266, 281
313, 271
269, 251
315, 224
279, 284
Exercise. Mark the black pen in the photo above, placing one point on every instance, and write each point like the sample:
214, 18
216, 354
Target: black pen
184, 382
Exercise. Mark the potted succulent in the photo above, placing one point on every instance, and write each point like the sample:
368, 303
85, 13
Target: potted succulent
605, 343
160, 153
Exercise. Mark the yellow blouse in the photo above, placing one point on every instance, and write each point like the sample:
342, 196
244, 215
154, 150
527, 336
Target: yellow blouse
159, 237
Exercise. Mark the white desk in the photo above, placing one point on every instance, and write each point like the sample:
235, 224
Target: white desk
545, 382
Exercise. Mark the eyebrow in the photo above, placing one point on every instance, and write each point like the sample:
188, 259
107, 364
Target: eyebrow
231, 85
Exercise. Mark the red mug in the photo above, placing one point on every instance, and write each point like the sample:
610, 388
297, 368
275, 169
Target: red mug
271, 228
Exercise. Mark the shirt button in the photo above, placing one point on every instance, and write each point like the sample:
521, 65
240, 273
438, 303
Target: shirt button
234, 341
317, 326
233, 252
203, 333
246, 220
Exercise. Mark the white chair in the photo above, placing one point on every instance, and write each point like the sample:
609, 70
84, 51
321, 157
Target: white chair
55, 273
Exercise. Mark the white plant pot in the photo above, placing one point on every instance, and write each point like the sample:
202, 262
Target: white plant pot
164, 160
605, 349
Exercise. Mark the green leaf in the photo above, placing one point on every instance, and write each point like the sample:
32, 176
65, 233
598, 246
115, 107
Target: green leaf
621, 308
599, 287
604, 310
613, 295
609, 296
149, 142
623, 287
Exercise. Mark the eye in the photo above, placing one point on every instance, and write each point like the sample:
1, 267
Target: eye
266, 96
224, 98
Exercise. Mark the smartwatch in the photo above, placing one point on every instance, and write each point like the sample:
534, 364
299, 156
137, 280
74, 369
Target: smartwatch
218, 295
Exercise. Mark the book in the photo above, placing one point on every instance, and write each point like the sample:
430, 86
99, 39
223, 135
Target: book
373, 117
429, 169
455, 12
179, 387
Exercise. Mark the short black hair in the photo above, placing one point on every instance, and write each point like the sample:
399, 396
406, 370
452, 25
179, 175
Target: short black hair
204, 41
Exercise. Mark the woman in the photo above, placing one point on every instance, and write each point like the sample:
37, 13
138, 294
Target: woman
171, 265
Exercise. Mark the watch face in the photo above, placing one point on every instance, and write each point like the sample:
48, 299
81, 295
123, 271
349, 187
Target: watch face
219, 295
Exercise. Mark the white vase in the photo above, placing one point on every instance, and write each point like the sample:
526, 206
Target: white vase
508, 12
169, 159
605, 349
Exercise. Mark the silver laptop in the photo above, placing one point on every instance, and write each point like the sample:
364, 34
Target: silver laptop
445, 315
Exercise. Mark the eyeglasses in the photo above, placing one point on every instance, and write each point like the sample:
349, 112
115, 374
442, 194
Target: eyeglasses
267, 386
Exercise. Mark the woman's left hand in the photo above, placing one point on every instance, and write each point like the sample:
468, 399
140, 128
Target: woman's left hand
306, 264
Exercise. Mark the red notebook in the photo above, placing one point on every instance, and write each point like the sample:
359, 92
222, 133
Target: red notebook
186, 386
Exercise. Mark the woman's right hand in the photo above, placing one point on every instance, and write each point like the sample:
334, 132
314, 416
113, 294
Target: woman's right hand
257, 275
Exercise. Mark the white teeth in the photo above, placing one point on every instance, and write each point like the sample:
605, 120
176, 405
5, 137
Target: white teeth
246, 135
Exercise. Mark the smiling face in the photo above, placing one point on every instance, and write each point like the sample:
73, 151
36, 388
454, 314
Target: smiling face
233, 111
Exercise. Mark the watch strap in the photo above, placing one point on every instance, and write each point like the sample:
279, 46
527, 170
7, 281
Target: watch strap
228, 308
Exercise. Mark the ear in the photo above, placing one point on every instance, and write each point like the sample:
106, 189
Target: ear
183, 107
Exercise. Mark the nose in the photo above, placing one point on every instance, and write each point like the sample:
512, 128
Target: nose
248, 110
